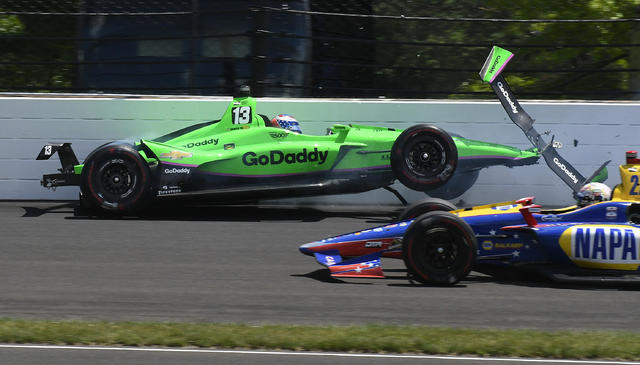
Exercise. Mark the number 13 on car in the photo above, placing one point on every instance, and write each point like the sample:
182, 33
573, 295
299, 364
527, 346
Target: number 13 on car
241, 115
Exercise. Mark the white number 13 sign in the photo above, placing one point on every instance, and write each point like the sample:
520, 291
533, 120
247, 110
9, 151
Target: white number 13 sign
241, 115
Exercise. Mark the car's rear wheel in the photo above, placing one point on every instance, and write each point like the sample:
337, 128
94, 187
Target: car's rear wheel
116, 179
424, 157
439, 248
425, 206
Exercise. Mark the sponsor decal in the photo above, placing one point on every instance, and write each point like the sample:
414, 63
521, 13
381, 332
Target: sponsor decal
487, 245
275, 157
566, 171
167, 190
505, 207
240, 127
514, 109
612, 215
329, 260
386, 157
550, 218
278, 135
495, 63
176, 155
229, 146
506, 246
212, 141
605, 245
373, 244
176, 170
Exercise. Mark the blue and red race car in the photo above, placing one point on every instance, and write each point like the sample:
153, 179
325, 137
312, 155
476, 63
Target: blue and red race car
440, 245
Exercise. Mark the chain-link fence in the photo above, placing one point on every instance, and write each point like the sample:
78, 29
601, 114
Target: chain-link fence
329, 48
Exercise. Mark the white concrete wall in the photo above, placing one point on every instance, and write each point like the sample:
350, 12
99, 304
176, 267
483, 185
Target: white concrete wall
601, 130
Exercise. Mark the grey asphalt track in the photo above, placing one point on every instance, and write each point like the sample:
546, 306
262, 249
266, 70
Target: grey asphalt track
241, 264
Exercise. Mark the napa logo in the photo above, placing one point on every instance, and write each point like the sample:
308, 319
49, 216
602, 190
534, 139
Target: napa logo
602, 247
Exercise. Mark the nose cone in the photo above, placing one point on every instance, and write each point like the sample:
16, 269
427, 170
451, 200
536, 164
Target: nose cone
308, 248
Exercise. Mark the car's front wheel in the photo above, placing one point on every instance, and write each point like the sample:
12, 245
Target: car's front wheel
116, 179
424, 157
439, 248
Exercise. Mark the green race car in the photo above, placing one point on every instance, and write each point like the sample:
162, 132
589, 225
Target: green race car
245, 156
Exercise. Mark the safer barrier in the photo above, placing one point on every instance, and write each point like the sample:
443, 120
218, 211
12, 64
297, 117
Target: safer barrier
590, 133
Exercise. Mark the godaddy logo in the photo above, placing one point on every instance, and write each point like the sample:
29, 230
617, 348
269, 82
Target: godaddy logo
495, 63
174, 170
213, 141
276, 157
514, 109
566, 171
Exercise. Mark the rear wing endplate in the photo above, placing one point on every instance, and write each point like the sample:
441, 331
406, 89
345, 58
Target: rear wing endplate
68, 158
491, 72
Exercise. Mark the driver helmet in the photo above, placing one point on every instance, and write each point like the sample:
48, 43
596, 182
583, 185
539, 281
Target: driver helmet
286, 121
593, 193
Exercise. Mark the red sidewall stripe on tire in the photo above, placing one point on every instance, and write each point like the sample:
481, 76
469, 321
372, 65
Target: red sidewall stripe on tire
468, 240
136, 160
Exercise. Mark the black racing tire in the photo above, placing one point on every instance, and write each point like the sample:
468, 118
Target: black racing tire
424, 157
425, 206
116, 179
439, 248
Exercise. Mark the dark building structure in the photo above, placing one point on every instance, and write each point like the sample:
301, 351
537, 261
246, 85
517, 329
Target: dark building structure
211, 47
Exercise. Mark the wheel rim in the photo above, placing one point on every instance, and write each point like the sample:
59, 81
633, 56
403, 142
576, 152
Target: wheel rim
117, 179
442, 249
425, 158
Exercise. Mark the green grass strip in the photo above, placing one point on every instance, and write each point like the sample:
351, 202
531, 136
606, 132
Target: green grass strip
368, 338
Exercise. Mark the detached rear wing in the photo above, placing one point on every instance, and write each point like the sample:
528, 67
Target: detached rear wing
491, 72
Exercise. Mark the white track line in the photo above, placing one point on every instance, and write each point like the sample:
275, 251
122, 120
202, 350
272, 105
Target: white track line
325, 354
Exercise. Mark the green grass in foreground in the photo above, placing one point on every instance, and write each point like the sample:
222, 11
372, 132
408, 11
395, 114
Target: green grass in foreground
369, 338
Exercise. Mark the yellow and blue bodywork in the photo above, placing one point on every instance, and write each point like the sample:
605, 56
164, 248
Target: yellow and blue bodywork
599, 238
597, 242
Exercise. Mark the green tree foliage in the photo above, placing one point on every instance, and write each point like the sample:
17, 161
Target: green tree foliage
34, 52
553, 60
